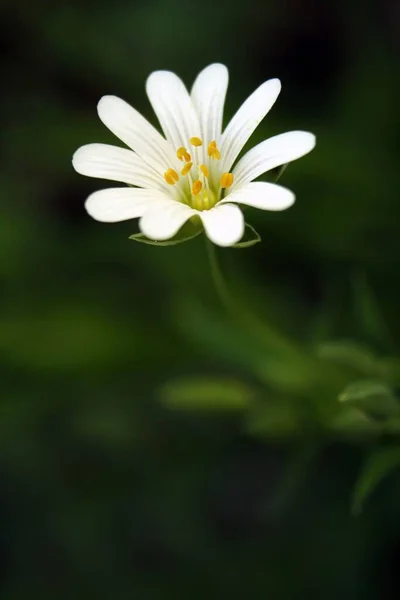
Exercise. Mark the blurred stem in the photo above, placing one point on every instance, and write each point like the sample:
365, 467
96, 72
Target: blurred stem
307, 373
294, 476
258, 328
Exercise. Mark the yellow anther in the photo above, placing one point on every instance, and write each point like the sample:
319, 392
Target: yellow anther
171, 176
196, 187
181, 152
186, 168
196, 141
213, 151
226, 180
204, 170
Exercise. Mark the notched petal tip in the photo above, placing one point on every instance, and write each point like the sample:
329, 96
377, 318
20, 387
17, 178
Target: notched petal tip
224, 224
76, 159
219, 69
275, 81
164, 221
262, 195
307, 139
108, 107
80, 156
156, 76
107, 101
271, 88
273, 85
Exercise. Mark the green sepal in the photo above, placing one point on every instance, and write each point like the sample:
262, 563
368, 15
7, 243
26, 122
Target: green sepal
276, 173
189, 231
250, 237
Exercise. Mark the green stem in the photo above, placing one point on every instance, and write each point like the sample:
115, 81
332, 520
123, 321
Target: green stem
257, 327
302, 371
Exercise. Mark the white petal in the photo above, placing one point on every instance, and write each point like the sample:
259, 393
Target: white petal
164, 220
260, 194
173, 106
136, 132
208, 96
120, 204
245, 121
117, 164
272, 153
224, 224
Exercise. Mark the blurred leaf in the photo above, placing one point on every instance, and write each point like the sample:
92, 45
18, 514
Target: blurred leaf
349, 353
392, 426
65, 337
390, 369
289, 372
373, 397
250, 237
353, 422
189, 230
272, 420
377, 466
107, 423
206, 393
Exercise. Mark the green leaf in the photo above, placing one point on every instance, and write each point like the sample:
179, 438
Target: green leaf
250, 237
353, 423
373, 397
190, 230
206, 394
390, 369
377, 466
349, 354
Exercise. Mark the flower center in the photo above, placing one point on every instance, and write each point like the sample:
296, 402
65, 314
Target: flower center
199, 184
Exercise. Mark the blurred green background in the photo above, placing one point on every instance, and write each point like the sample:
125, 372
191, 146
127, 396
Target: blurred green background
150, 447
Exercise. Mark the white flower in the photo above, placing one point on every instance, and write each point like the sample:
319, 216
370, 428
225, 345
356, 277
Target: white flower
189, 171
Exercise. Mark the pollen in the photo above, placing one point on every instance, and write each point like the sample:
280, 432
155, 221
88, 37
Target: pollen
196, 187
186, 168
183, 154
226, 180
204, 170
171, 176
196, 141
213, 151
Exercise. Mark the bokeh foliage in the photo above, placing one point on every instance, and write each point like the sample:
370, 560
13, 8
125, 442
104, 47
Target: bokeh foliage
150, 447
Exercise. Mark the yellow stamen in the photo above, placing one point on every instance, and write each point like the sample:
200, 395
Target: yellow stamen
204, 170
213, 151
186, 168
182, 153
196, 141
226, 180
196, 187
171, 176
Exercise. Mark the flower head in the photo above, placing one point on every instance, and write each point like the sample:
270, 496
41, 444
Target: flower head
192, 171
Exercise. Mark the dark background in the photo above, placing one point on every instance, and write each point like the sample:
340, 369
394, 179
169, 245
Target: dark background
149, 446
